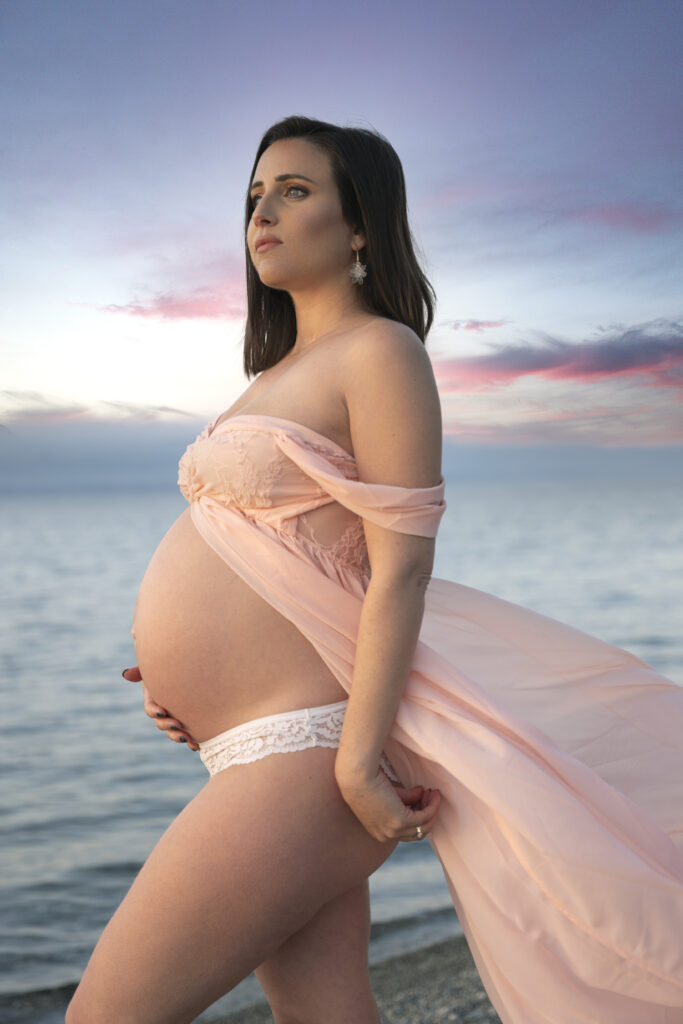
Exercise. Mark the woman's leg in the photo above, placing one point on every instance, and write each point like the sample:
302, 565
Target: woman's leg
321, 972
250, 860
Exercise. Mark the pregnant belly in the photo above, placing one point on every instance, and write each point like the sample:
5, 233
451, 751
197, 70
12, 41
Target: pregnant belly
210, 650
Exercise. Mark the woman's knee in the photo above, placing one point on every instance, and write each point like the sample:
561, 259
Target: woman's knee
290, 1017
78, 1011
88, 1010
94, 1008
363, 1010
72, 1015
81, 1011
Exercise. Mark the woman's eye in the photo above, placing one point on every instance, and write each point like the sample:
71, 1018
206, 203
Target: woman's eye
297, 188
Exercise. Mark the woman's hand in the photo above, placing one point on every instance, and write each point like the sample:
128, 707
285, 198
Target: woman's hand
389, 811
174, 729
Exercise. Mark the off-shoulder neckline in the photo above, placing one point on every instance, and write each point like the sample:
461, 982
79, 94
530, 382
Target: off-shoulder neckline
283, 423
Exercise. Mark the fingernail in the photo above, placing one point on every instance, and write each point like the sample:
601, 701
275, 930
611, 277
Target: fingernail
122, 673
182, 739
173, 728
160, 714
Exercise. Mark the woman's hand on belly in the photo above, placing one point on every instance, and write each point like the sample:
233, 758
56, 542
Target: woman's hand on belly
174, 729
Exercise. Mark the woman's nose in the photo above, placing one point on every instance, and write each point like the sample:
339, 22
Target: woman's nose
260, 211
262, 214
263, 211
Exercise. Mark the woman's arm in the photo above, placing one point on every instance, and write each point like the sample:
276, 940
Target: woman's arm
395, 419
387, 635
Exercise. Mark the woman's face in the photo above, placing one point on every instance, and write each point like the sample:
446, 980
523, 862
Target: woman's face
304, 213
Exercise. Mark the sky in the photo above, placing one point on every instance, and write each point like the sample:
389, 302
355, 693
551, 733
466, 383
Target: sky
541, 146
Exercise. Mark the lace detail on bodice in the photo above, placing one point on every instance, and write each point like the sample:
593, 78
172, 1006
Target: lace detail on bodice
279, 734
255, 480
349, 550
242, 466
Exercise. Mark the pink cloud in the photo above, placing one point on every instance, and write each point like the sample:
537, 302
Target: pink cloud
474, 325
204, 302
652, 352
614, 368
642, 217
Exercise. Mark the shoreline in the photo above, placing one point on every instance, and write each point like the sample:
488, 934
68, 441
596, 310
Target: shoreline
436, 984
433, 985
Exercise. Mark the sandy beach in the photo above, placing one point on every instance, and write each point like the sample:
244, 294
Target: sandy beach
436, 985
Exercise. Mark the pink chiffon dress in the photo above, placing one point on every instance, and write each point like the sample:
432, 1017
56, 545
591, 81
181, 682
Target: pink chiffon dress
559, 756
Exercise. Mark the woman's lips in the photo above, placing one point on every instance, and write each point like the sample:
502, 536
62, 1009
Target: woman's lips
266, 246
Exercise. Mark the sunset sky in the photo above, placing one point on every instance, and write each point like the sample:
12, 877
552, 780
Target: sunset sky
541, 143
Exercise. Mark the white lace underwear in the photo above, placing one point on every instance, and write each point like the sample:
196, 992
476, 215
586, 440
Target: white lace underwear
279, 734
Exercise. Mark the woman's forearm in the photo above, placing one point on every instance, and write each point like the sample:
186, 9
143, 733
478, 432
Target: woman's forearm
388, 631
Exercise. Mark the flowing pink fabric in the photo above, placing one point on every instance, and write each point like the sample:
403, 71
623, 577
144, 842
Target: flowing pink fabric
559, 756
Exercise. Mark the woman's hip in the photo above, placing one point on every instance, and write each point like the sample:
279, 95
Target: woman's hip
282, 733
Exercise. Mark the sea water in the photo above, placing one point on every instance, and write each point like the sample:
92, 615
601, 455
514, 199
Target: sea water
89, 784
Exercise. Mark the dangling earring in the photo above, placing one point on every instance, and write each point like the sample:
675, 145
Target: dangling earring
358, 270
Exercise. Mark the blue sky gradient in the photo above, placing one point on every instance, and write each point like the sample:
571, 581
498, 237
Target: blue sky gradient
541, 145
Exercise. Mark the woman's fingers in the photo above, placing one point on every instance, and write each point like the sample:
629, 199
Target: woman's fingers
425, 817
165, 722
152, 709
410, 797
174, 729
133, 675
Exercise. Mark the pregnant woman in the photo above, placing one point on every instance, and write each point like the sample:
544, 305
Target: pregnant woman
342, 700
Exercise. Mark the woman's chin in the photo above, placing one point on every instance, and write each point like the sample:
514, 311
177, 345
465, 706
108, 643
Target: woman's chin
272, 279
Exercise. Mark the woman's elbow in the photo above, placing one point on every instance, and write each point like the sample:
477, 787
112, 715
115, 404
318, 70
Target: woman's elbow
404, 576
401, 561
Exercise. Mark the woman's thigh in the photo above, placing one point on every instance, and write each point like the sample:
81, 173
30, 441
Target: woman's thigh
321, 972
251, 859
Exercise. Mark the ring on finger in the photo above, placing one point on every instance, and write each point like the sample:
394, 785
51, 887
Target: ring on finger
419, 833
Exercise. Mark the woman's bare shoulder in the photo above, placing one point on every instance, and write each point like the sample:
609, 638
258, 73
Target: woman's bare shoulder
383, 327
382, 339
389, 354
393, 405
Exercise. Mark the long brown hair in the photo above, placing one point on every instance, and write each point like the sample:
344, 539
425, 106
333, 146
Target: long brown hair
369, 177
